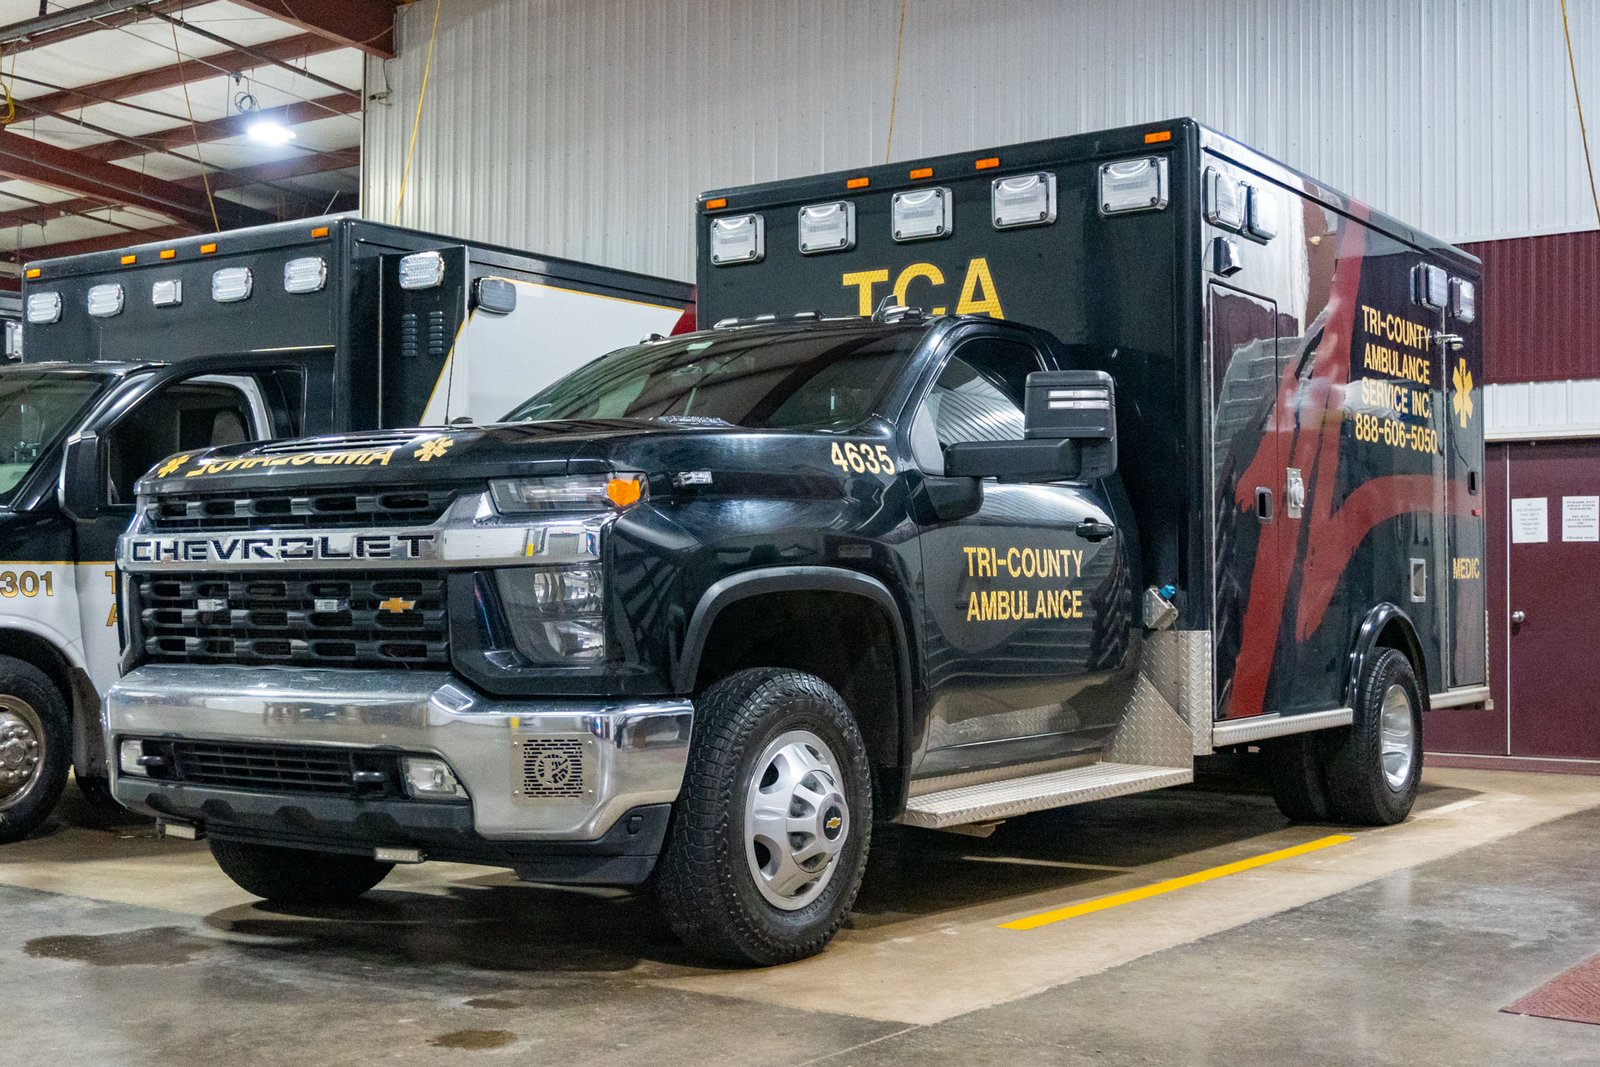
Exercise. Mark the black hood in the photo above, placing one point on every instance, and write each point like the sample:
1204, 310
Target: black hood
400, 457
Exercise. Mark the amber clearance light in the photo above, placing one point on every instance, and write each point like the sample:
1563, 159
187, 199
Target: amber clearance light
626, 491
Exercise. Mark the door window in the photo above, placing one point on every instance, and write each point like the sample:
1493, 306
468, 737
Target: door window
186, 417
977, 397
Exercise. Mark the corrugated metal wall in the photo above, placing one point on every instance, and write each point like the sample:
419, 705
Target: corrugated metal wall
587, 127
1541, 318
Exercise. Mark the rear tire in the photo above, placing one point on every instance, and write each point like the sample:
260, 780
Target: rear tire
35, 747
1299, 783
1373, 774
769, 840
297, 875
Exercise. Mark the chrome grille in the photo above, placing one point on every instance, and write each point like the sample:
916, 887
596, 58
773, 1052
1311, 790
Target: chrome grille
303, 769
296, 510
315, 619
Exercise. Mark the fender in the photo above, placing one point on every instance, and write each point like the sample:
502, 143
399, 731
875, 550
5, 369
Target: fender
1377, 620
67, 647
745, 584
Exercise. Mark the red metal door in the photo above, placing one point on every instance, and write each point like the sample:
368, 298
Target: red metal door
1553, 670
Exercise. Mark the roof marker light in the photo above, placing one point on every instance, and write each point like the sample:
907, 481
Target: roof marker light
921, 172
1157, 136
986, 163
857, 183
128, 259
319, 231
34, 272
207, 249
168, 253
716, 202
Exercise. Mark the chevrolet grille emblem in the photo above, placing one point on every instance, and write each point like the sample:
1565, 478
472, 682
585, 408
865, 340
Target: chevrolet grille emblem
394, 605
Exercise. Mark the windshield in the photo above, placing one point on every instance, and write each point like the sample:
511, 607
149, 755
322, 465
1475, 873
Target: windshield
34, 410
814, 378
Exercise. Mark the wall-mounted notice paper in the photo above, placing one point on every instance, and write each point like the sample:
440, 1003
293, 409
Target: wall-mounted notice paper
1580, 518
1530, 518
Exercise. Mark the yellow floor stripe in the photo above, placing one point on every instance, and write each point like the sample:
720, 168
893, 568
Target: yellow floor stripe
1145, 892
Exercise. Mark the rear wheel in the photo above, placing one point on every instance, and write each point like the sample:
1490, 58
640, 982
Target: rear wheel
1374, 774
297, 875
1299, 784
769, 840
35, 747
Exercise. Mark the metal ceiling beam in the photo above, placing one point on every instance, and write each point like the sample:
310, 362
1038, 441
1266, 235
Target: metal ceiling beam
191, 69
217, 38
187, 136
364, 24
103, 244
31, 160
278, 170
76, 21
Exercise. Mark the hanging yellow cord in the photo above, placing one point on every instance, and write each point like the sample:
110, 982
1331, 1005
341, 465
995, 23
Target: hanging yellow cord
205, 172
894, 93
416, 122
1577, 99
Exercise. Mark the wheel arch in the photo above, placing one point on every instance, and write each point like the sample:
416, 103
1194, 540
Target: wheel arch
1386, 626
42, 647
834, 582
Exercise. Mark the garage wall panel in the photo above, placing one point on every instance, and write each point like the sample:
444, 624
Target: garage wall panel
586, 127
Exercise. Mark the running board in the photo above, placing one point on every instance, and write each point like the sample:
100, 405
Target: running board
1036, 792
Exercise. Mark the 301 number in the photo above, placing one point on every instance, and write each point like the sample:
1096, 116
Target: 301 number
862, 459
26, 583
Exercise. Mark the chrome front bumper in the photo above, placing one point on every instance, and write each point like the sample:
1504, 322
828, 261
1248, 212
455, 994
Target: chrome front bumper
637, 751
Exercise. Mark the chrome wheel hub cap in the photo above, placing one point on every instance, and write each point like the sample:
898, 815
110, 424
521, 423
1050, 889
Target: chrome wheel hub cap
1399, 738
796, 820
20, 733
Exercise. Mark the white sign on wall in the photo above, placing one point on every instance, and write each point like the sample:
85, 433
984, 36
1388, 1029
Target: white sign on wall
1580, 518
1530, 520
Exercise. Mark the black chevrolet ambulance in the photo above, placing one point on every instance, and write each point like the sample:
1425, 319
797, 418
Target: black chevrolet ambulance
1005, 480
305, 327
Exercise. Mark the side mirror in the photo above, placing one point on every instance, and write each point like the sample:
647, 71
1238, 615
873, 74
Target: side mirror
83, 485
1069, 431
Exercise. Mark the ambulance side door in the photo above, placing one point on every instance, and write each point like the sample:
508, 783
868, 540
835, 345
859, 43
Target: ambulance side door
1022, 618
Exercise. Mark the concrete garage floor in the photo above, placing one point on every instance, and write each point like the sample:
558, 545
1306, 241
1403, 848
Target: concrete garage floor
1399, 946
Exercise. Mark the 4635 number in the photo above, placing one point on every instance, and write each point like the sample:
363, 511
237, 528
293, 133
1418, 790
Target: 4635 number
862, 459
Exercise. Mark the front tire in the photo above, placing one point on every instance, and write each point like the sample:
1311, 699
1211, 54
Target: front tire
297, 875
35, 747
769, 840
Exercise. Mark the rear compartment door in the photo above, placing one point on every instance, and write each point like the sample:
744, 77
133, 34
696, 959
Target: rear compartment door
1252, 532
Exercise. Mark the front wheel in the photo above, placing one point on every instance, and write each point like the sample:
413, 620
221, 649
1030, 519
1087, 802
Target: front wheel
769, 839
35, 747
297, 875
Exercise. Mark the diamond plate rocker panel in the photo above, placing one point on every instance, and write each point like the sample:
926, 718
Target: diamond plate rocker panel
1018, 796
1169, 717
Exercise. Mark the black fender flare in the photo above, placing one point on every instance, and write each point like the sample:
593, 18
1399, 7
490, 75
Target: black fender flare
1378, 620
797, 579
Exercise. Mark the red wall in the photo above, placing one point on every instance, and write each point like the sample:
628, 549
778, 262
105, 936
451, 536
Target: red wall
1541, 307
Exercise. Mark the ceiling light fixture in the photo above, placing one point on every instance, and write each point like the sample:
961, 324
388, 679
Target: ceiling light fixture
269, 131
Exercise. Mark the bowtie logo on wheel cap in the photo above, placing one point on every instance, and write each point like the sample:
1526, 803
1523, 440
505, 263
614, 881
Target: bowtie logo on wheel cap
1462, 400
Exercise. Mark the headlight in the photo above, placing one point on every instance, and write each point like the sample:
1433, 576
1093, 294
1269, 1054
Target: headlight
582, 492
556, 613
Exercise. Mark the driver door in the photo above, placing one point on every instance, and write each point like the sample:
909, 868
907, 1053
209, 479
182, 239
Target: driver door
187, 415
1024, 601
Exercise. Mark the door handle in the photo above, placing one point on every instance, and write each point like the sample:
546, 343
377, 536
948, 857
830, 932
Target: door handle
1518, 618
1092, 530
1263, 503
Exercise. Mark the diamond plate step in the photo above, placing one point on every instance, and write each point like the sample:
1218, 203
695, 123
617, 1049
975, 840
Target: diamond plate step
1036, 792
